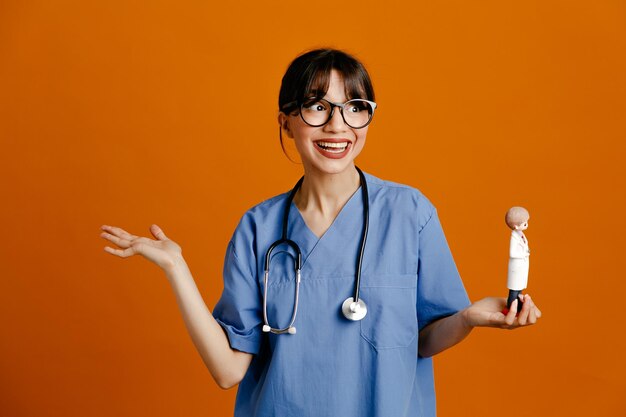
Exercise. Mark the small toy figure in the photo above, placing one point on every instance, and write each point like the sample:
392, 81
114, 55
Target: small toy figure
517, 219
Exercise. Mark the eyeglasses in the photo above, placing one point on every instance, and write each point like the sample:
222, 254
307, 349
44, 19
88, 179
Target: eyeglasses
356, 113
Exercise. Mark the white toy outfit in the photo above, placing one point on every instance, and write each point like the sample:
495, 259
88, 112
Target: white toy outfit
518, 261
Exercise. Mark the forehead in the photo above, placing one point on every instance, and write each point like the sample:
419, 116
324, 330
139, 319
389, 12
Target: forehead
336, 87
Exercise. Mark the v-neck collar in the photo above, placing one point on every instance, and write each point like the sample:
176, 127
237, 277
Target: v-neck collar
310, 241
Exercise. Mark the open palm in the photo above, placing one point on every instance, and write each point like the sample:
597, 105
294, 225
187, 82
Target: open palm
491, 312
162, 251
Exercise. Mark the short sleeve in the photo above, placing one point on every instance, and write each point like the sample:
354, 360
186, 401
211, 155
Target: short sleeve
440, 291
239, 309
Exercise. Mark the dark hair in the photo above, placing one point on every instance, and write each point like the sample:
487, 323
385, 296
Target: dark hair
309, 76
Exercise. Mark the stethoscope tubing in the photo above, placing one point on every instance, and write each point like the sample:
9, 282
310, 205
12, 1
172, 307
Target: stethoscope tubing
298, 261
366, 222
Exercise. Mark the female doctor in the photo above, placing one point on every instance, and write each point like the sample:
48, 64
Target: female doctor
361, 288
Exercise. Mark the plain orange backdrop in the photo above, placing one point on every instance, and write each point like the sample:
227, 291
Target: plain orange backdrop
133, 113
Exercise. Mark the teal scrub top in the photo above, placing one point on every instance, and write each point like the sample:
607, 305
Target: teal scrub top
333, 366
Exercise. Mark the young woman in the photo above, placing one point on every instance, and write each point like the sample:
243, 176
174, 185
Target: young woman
337, 293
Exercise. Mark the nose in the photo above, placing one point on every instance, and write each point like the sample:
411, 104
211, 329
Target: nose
336, 123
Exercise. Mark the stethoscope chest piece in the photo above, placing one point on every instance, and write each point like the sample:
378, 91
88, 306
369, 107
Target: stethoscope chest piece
354, 311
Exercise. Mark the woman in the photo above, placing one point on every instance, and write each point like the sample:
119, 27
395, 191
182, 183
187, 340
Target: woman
350, 356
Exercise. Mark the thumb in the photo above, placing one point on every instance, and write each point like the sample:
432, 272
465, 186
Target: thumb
157, 232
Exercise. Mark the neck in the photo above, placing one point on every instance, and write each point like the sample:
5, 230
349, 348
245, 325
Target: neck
327, 193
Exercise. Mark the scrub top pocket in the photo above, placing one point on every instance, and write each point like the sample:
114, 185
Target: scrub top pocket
391, 320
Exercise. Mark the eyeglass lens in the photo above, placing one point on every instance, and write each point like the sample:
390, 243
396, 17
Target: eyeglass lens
356, 113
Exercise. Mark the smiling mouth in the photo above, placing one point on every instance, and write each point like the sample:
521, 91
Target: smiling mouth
333, 147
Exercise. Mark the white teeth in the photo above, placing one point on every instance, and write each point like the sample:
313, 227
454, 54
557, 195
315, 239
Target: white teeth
340, 145
333, 144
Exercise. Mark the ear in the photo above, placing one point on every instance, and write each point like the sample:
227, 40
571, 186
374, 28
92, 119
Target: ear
283, 121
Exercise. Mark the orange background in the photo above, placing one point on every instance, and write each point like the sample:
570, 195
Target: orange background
132, 113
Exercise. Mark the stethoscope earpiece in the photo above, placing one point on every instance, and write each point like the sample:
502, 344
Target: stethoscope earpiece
351, 310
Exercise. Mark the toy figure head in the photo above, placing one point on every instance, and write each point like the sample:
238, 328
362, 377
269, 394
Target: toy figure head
517, 218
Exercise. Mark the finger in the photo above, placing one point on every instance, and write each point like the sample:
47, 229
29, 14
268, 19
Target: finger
532, 312
122, 243
510, 316
157, 232
532, 316
522, 318
119, 252
118, 232
536, 309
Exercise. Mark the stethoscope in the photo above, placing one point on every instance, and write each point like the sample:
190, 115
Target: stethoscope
352, 308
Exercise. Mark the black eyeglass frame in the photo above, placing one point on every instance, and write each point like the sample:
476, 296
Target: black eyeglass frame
332, 110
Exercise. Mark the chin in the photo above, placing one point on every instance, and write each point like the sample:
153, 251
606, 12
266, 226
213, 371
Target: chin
331, 168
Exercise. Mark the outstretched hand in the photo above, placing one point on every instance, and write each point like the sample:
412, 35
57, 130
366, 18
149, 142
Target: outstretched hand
162, 251
488, 312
